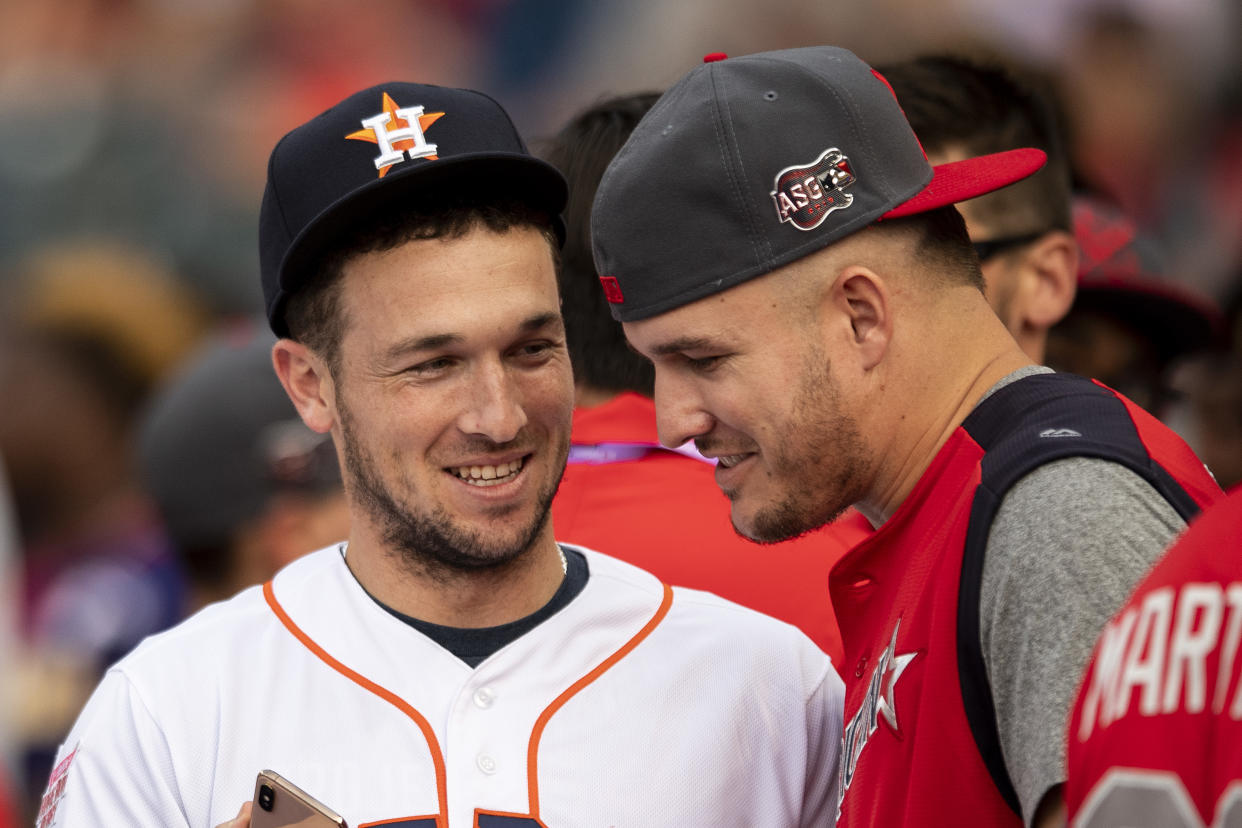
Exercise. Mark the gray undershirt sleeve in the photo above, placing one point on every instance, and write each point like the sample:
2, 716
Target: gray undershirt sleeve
1069, 543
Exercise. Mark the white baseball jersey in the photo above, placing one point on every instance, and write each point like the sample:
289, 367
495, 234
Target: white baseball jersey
635, 705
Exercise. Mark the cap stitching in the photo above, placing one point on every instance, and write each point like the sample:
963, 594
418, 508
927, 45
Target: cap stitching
863, 133
757, 245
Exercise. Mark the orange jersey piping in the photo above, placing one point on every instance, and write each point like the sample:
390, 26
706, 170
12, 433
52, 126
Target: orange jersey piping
387, 695
532, 755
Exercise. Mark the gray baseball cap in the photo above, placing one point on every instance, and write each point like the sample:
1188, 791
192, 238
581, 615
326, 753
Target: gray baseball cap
747, 164
222, 438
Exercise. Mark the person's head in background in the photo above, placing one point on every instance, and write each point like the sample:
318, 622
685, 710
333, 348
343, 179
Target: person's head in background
243, 486
960, 108
1131, 323
1214, 391
604, 365
90, 327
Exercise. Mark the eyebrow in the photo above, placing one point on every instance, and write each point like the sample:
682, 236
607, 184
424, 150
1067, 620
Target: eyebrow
683, 344
434, 341
540, 320
422, 343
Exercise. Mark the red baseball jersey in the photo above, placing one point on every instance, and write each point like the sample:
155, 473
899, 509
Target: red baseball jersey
921, 746
661, 510
1156, 734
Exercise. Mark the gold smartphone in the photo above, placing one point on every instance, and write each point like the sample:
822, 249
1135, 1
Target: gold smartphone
278, 803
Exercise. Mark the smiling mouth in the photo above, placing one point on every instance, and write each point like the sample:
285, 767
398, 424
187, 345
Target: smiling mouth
728, 461
488, 475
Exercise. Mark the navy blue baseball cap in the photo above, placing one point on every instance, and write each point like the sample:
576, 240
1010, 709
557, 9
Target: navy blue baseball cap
374, 150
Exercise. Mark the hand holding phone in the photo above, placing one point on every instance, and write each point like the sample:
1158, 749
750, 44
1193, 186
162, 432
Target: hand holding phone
278, 803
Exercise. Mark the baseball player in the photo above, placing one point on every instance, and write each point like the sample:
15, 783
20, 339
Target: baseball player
617, 468
1023, 233
774, 239
242, 486
1155, 734
1132, 321
449, 664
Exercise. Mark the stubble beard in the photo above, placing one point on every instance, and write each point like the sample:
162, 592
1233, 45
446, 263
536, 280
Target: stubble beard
824, 441
431, 544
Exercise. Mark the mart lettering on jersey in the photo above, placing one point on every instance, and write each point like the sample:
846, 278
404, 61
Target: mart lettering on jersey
55, 791
1155, 656
405, 138
879, 701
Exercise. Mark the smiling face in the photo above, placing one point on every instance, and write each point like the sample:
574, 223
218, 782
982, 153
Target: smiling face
745, 375
454, 396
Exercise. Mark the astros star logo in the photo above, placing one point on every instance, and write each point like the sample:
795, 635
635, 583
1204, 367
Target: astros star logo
399, 133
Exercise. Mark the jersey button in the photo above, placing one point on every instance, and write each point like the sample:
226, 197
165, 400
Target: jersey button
486, 763
483, 697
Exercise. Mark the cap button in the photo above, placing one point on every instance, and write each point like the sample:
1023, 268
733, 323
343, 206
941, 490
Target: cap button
714, 56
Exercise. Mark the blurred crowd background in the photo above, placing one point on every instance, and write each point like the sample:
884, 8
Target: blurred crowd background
133, 140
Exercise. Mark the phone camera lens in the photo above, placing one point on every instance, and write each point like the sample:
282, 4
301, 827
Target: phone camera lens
267, 797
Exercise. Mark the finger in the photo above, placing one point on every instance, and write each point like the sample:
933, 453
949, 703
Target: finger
242, 820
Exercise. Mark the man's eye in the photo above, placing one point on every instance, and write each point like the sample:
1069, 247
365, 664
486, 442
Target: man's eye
705, 363
534, 350
431, 366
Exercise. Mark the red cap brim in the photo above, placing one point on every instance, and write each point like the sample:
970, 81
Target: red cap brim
963, 180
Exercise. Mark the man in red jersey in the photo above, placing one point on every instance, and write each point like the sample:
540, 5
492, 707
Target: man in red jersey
1155, 735
622, 491
774, 239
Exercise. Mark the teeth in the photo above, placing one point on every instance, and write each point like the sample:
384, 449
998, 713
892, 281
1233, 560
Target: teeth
487, 475
731, 460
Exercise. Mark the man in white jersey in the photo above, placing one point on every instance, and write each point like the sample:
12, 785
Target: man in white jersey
449, 664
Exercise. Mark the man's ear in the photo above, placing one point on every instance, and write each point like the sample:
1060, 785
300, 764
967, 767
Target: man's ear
308, 383
860, 298
1049, 280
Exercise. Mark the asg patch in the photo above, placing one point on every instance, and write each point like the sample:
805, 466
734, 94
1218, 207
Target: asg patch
398, 131
805, 195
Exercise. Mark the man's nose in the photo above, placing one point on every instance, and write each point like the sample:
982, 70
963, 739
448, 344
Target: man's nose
680, 413
495, 408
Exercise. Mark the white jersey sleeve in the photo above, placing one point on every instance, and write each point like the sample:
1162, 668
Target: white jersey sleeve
825, 711
114, 768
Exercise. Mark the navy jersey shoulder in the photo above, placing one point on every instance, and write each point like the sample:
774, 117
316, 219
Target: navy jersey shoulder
1022, 426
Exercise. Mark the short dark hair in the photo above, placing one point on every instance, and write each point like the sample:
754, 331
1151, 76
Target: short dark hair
598, 351
943, 246
985, 106
313, 314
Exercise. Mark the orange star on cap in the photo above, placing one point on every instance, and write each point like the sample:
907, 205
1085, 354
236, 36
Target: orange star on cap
390, 106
